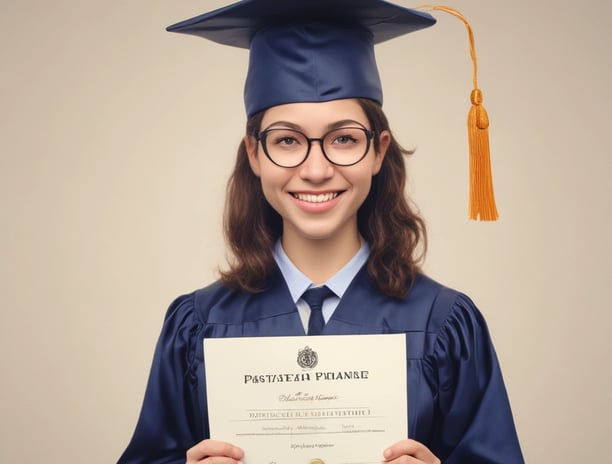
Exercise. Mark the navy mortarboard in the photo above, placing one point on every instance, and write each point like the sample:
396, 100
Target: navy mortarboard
322, 50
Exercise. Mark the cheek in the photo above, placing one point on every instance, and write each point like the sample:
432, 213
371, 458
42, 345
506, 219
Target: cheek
362, 180
365, 187
272, 184
362, 187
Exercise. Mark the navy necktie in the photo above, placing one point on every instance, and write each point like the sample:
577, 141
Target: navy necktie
315, 297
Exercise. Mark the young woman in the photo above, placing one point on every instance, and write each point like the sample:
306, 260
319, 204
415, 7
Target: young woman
317, 198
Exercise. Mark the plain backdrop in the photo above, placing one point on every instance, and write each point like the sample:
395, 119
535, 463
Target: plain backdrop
116, 139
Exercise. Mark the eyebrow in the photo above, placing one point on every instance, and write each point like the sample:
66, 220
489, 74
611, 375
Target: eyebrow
328, 127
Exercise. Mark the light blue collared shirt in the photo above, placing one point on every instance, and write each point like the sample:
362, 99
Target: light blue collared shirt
298, 283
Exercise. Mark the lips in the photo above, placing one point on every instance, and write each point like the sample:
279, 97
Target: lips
315, 197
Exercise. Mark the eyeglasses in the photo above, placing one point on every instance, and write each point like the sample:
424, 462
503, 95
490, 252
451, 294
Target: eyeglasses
288, 148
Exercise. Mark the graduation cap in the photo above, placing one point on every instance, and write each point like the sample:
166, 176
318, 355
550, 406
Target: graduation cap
319, 50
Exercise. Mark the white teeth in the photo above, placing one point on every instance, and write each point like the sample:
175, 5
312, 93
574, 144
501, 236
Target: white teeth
322, 197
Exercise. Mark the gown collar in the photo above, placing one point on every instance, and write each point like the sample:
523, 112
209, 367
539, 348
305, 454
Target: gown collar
298, 283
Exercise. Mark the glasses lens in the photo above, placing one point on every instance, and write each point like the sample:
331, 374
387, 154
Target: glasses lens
285, 147
347, 145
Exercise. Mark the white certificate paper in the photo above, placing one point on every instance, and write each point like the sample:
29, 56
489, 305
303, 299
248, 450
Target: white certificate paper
337, 399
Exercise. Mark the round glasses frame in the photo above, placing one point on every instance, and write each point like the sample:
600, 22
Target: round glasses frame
262, 138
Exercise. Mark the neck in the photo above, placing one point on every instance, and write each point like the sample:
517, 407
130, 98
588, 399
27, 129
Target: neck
320, 259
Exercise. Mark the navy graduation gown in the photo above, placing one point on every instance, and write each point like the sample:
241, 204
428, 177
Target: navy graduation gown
457, 401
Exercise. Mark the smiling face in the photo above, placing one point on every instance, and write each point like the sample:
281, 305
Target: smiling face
317, 200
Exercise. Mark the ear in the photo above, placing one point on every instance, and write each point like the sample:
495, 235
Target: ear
384, 140
250, 144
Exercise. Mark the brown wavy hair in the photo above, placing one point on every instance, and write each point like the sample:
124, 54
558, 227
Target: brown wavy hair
395, 232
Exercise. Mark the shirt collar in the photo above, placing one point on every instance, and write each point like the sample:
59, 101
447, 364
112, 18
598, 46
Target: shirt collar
298, 283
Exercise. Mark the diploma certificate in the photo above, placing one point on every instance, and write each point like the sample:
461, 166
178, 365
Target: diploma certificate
337, 399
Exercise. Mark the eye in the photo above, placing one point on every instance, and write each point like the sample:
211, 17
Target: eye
344, 139
285, 138
285, 141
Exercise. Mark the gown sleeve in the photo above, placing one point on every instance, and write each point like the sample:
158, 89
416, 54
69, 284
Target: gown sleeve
474, 421
168, 424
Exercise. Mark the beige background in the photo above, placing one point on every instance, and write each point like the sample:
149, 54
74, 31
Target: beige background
116, 139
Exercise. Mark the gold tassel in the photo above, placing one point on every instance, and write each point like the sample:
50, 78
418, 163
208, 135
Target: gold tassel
482, 198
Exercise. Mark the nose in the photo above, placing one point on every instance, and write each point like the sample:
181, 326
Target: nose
316, 168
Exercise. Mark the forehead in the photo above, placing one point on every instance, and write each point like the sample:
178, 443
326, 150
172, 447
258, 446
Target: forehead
316, 116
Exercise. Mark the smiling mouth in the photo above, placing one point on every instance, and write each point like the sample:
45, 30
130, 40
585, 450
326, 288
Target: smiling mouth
319, 198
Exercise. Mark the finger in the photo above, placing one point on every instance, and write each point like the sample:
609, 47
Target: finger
404, 459
212, 448
411, 448
215, 460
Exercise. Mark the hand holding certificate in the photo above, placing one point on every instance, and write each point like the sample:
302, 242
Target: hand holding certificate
290, 400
